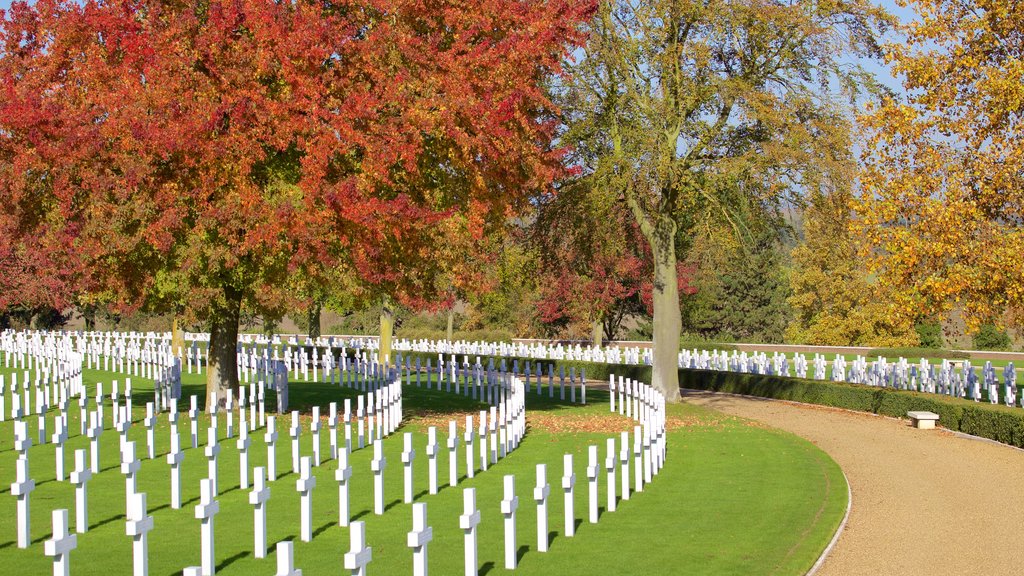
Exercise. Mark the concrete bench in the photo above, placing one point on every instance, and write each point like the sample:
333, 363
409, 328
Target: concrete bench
923, 420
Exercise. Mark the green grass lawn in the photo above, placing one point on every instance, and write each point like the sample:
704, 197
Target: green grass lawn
733, 498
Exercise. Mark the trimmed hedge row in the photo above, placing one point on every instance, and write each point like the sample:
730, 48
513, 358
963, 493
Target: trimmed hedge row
995, 422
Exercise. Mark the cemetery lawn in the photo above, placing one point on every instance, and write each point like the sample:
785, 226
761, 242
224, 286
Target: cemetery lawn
734, 497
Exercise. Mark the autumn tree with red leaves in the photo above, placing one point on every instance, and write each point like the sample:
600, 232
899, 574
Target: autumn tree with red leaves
195, 156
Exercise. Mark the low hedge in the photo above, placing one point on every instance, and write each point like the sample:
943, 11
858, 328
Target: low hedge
913, 353
996, 422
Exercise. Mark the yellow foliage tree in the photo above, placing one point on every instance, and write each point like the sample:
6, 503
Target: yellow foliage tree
943, 201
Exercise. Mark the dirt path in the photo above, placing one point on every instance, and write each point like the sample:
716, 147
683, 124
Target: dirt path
924, 501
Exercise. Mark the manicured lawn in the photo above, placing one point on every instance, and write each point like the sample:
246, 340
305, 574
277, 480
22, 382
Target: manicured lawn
734, 497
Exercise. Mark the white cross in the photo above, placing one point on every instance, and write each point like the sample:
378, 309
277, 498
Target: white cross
419, 537
80, 477
540, 495
193, 416
304, 486
271, 439
342, 476
609, 465
22, 442
332, 424
22, 488
243, 455
453, 458
205, 511
286, 559
359, 554
568, 483
211, 452
592, 473
149, 422
258, 498
174, 459
59, 436
314, 428
61, 545
468, 522
408, 455
432, 447
377, 465
294, 433
138, 527
508, 509
624, 464
468, 437
130, 468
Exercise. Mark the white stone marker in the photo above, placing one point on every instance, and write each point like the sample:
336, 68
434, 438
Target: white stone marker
242, 444
418, 539
286, 559
470, 453
453, 454
271, 439
377, 465
408, 455
609, 466
468, 522
482, 434
508, 509
359, 554
624, 464
314, 427
211, 452
149, 422
205, 511
638, 458
60, 434
332, 426
342, 476
258, 498
174, 459
304, 486
294, 432
540, 495
592, 473
80, 477
568, 485
22, 488
348, 425
138, 527
130, 468
193, 415
60, 546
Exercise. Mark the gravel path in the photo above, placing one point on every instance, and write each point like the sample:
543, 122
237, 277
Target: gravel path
924, 501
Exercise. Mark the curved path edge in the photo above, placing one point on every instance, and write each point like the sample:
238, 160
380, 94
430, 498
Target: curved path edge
928, 501
839, 530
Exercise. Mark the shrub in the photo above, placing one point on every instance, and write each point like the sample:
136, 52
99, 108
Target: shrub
989, 337
930, 334
910, 353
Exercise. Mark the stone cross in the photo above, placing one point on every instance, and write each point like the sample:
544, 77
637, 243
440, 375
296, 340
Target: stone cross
314, 427
304, 486
377, 465
174, 459
22, 442
568, 485
648, 464
80, 477
22, 488
60, 546
193, 415
508, 509
468, 522
482, 434
242, 444
342, 475
229, 411
211, 452
348, 425
540, 495
453, 455
59, 436
130, 468
294, 433
258, 498
638, 469
332, 426
418, 539
432, 447
286, 559
271, 439
624, 464
360, 416
609, 466
205, 511
138, 527
149, 422
408, 455
470, 454
359, 554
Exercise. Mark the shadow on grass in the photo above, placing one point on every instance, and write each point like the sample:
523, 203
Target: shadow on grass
232, 559
486, 568
322, 529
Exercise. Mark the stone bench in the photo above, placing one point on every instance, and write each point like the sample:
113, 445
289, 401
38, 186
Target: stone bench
923, 420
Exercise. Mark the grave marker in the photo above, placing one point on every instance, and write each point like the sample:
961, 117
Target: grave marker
359, 554
138, 527
22, 488
418, 539
568, 486
242, 444
286, 559
130, 468
258, 498
205, 511
61, 544
408, 455
211, 452
271, 439
468, 522
174, 459
508, 509
304, 486
80, 477
342, 476
59, 436
540, 495
377, 465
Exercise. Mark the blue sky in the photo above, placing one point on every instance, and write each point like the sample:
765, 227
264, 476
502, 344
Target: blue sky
880, 70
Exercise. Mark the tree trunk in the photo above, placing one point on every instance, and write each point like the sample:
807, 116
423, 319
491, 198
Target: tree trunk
667, 318
222, 371
596, 331
89, 315
313, 318
387, 328
451, 324
177, 338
